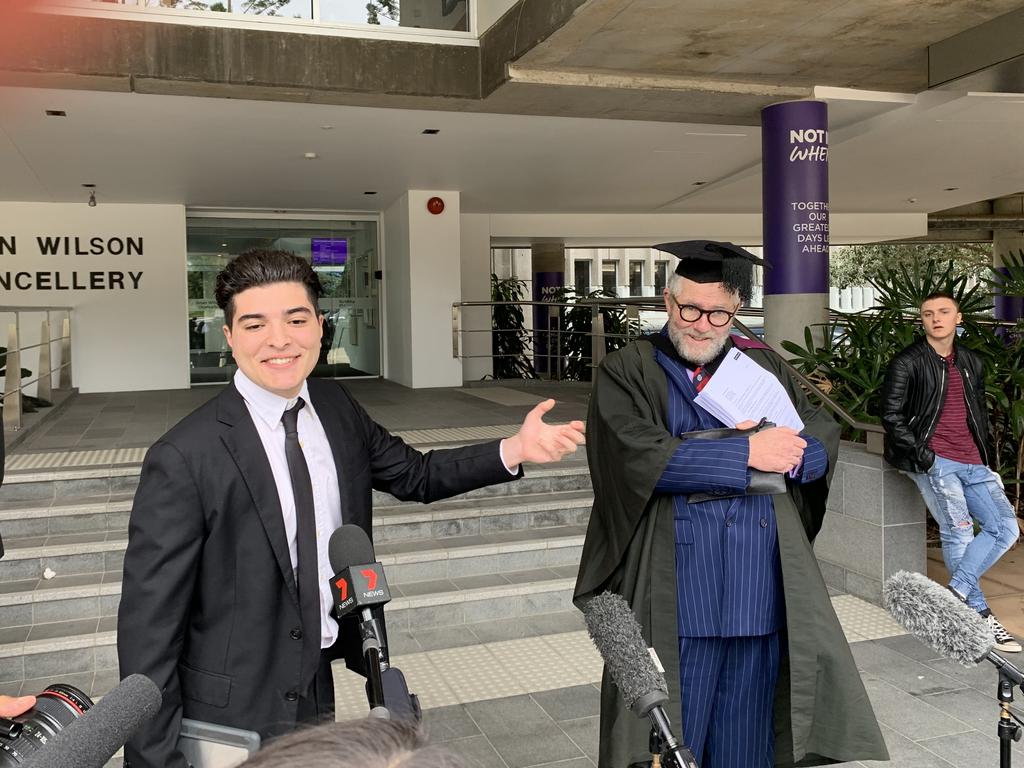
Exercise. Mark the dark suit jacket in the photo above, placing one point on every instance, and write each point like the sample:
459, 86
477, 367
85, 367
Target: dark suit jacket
209, 609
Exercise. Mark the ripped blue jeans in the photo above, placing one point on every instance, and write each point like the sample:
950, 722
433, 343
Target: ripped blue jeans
957, 495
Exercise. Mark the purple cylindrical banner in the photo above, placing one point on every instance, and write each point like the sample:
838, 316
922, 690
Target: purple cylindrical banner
794, 152
1007, 307
546, 287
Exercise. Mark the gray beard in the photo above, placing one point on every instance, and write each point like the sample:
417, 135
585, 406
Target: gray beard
694, 360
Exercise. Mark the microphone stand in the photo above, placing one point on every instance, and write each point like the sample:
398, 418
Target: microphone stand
374, 660
1008, 730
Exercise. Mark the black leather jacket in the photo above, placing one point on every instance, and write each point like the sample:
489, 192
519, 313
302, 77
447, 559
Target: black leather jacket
914, 390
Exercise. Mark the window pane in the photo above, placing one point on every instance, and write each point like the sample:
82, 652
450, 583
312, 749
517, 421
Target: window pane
289, 9
636, 278
582, 276
344, 255
427, 14
610, 276
660, 276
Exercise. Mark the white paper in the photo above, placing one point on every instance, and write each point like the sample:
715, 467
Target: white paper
741, 390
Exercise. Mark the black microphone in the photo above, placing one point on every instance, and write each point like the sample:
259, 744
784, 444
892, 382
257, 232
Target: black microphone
934, 615
619, 640
359, 585
92, 739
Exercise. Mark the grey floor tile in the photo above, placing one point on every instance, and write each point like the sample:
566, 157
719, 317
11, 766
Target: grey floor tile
476, 751
557, 623
412, 588
62, 629
501, 629
910, 646
445, 637
584, 733
104, 681
107, 624
979, 710
902, 671
970, 750
447, 723
566, 571
477, 582
909, 715
522, 732
536, 574
401, 642
74, 580
570, 703
904, 753
983, 677
80, 680
26, 585
14, 634
576, 762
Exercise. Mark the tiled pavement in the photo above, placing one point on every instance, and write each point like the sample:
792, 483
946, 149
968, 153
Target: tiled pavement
522, 694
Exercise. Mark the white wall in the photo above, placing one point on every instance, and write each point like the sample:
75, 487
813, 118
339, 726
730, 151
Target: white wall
423, 271
489, 11
395, 239
129, 322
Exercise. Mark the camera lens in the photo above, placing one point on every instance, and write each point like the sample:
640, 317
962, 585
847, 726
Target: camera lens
55, 709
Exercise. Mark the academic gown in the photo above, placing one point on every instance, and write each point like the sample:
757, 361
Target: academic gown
822, 712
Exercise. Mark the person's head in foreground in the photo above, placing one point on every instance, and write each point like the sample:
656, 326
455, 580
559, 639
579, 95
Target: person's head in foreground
355, 744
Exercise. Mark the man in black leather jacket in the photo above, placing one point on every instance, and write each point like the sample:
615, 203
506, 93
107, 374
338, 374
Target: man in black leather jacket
936, 431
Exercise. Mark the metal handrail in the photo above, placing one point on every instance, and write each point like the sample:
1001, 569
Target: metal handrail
14, 387
873, 432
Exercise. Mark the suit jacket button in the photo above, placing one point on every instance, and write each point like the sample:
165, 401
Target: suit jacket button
729, 523
296, 634
292, 696
764, 523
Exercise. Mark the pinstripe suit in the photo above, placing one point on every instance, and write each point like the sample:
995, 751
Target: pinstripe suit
729, 586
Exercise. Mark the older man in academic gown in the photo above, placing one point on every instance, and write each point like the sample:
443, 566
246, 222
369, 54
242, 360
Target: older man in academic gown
726, 589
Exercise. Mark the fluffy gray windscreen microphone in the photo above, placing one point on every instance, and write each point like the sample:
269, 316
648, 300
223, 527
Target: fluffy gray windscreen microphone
935, 616
91, 740
616, 633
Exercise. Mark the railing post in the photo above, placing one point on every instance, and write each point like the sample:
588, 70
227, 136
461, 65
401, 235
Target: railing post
65, 353
555, 349
12, 381
44, 386
456, 325
597, 346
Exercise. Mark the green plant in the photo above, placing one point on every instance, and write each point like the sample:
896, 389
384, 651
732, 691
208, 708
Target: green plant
29, 404
575, 344
510, 341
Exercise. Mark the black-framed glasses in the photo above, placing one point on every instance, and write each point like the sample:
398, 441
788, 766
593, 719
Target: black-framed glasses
691, 314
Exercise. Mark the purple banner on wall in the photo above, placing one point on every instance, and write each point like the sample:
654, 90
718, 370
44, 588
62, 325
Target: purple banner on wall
1007, 307
546, 286
794, 151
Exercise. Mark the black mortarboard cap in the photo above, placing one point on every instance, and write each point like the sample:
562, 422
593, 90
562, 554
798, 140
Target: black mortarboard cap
710, 261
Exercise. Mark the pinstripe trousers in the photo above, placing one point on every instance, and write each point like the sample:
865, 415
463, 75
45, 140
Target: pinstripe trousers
728, 687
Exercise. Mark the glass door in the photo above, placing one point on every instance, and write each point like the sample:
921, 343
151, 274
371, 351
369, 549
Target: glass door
343, 252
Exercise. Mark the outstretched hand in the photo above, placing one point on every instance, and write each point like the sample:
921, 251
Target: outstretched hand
540, 443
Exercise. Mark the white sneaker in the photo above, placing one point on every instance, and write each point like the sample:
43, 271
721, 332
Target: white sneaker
1004, 640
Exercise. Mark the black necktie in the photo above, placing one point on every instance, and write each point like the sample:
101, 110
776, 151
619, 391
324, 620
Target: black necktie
307, 578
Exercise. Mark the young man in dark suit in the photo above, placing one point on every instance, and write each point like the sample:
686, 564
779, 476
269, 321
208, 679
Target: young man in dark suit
225, 604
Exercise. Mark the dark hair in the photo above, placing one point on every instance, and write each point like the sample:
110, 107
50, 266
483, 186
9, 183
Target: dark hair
941, 295
258, 267
355, 744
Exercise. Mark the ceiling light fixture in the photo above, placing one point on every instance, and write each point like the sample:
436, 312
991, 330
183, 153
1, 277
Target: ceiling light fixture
326, 127
951, 189
56, 113
310, 155
699, 183
92, 194
911, 199
431, 131
369, 193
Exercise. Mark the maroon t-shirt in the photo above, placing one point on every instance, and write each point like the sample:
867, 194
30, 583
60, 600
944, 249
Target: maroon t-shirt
953, 439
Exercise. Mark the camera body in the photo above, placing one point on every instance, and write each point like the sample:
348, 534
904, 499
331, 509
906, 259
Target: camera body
56, 708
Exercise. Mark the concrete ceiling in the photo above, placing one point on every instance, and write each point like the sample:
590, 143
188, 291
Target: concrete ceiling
890, 153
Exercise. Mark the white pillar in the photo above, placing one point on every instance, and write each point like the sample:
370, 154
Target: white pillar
423, 267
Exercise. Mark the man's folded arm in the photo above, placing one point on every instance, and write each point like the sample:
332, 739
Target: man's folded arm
165, 539
707, 466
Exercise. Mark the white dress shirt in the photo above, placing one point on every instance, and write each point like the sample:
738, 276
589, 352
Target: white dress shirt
266, 410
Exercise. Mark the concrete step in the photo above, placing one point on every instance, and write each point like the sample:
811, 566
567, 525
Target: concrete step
69, 482
85, 650
103, 549
31, 605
